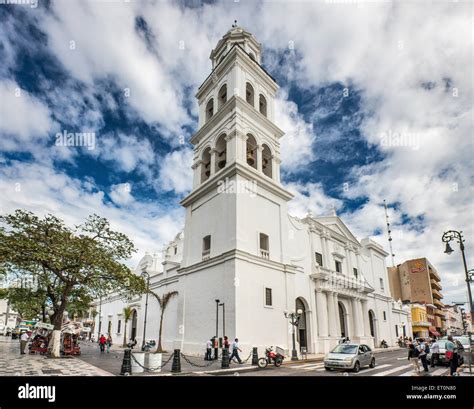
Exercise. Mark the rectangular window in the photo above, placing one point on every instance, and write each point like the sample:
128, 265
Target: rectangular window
206, 247
119, 324
381, 284
268, 297
356, 273
264, 245
384, 316
338, 266
319, 259
396, 330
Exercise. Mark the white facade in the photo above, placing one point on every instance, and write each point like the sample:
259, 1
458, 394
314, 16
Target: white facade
241, 246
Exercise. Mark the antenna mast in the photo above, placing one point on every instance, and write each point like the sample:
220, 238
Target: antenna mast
389, 233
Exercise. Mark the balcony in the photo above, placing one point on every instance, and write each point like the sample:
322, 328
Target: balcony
434, 274
437, 294
265, 254
438, 303
435, 284
421, 324
206, 254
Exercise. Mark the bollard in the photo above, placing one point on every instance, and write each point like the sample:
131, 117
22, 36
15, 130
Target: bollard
126, 363
176, 367
254, 356
225, 358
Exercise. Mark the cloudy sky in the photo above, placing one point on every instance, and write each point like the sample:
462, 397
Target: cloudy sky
375, 99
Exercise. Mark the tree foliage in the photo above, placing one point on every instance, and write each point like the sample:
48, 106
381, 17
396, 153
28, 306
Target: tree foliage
71, 265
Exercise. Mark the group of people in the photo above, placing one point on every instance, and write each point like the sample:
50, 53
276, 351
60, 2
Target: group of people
105, 343
213, 343
420, 348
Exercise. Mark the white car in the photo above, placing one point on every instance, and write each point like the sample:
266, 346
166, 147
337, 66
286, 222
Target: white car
349, 356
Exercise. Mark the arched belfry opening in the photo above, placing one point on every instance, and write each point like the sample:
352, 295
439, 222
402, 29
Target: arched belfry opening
210, 109
221, 153
222, 96
262, 105
267, 161
249, 94
251, 155
206, 164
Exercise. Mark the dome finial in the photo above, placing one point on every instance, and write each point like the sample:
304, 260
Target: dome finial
235, 24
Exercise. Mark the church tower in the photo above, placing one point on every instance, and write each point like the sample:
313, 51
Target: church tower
236, 214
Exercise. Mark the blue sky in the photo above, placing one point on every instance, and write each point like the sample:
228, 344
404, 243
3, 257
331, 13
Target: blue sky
375, 100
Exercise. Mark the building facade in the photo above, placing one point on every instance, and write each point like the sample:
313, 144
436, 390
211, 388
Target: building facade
420, 323
242, 253
417, 281
454, 320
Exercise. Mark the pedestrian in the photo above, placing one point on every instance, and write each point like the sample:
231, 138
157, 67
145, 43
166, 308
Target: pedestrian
102, 341
208, 356
434, 352
215, 343
452, 356
235, 351
23, 341
226, 342
424, 350
342, 340
413, 354
347, 340
109, 342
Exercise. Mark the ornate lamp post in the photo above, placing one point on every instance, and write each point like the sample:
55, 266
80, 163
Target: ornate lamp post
147, 276
457, 235
216, 350
222, 304
294, 318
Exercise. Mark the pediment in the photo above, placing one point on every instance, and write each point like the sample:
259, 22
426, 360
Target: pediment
335, 224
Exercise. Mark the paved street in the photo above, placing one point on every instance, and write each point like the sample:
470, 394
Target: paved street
14, 364
392, 363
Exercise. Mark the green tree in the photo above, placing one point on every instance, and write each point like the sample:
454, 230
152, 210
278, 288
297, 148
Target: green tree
67, 262
127, 314
163, 301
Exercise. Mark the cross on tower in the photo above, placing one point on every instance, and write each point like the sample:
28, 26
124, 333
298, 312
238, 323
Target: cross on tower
235, 24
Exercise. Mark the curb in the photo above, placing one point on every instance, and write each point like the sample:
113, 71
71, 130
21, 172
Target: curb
226, 371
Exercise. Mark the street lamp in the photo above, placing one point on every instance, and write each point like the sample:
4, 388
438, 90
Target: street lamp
223, 318
216, 350
457, 235
294, 318
100, 318
147, 276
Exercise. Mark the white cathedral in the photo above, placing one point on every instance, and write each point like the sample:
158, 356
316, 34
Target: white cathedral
241, 247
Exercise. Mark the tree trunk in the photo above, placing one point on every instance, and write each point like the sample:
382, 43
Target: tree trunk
57, 321
159, 348
125, 335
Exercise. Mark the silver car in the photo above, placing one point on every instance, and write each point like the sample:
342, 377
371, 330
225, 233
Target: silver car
349, 356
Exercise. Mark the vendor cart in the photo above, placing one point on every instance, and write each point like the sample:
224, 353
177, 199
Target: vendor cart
70, 342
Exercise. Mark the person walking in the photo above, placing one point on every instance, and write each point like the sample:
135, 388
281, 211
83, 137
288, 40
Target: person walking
413, 354
235, 351
208, 356
109, 342
23, 341
452, 356
434, 352
424, 349
102, 341
215, 343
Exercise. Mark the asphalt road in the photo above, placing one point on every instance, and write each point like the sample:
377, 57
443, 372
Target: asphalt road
392, 363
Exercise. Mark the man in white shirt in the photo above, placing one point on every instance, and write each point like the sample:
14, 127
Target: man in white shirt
209, 350
23, 341
434, 352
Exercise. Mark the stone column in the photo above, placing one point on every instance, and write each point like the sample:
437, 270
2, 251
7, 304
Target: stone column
322, 312
276, 168
348, 261
356, 318
337, 318
213, 162
331, 314
365, 316
259, 157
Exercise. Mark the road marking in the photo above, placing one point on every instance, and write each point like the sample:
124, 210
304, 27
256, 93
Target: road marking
440, 371
364, 371
307, 365
393, 370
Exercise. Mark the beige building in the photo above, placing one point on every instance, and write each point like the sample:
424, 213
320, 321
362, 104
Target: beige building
417, 281
454, 320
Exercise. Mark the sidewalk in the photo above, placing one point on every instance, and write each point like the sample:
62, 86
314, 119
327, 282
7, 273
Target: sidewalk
14, 364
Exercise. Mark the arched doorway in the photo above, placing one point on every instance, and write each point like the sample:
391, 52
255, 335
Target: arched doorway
372, 325
302, 329
342, 319
133, 332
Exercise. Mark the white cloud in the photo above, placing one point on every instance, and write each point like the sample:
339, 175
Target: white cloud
175, 171
23, 118
121, 194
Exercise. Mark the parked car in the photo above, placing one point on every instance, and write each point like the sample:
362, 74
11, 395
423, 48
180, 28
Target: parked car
442, 353
349, 356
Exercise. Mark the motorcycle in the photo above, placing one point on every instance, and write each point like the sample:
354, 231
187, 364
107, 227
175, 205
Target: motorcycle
149, 345
271, 356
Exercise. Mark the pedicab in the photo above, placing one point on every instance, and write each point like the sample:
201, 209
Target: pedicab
40, 338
